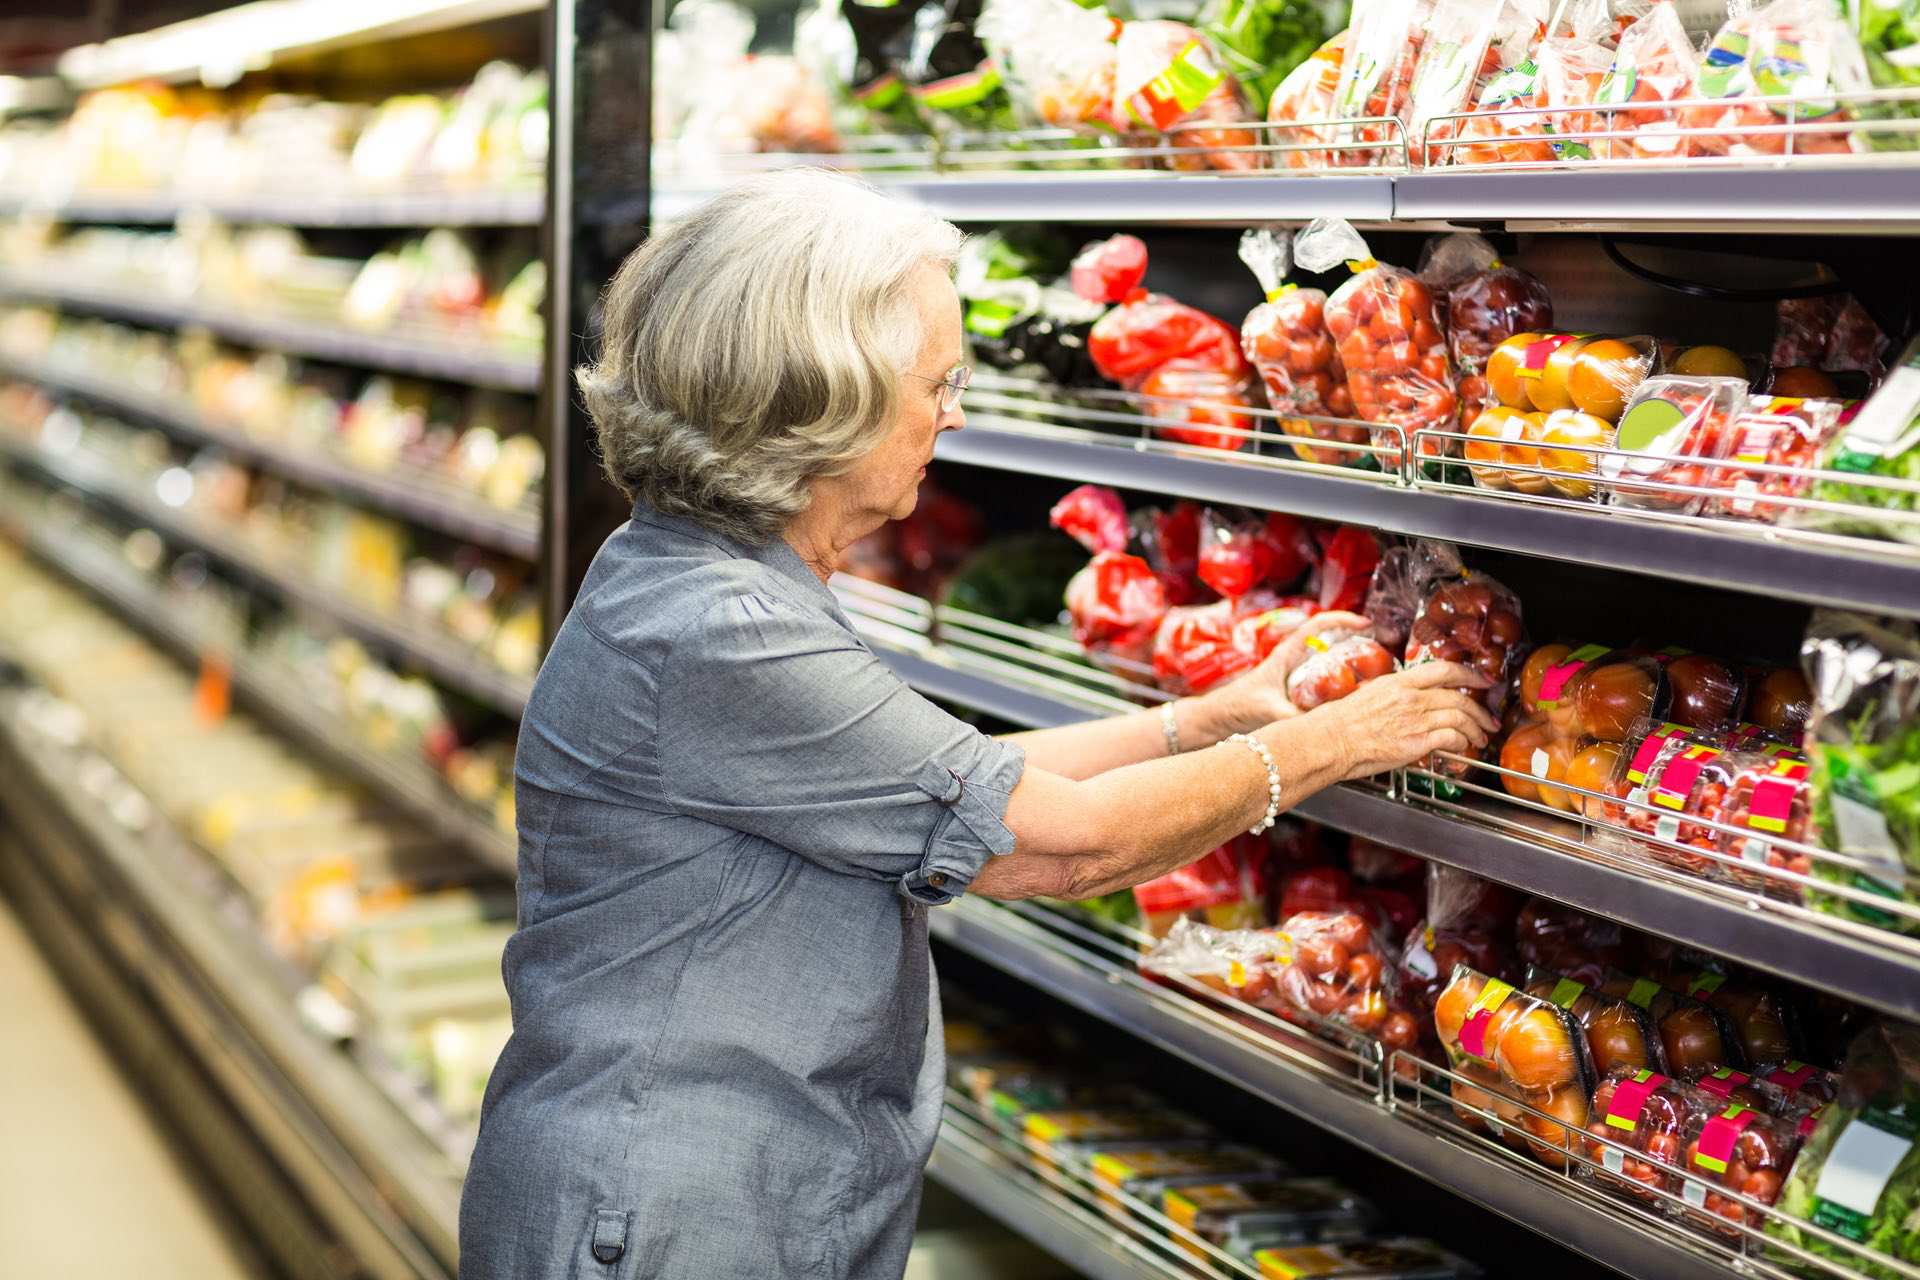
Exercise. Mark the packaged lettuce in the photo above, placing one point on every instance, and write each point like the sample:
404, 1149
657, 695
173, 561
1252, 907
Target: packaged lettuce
1858, 1175
1864, 745
1889, 32
1882, 440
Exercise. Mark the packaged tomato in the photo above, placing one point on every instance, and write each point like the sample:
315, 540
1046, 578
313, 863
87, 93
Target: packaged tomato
1856, 343
1469, 42
1567, 940
1671, 425
1199, 646
1226, 889
1641, 1123
1801, 48
1695, 1038
1771, 800
1235, 962
1735, 1149
1109, 270
1399, 584
1654, 62
1384, 40
1766, 1023
1801, 1087
1264, 632
1166, 81
1116, 604
1777, 431
1487, 303
1286, 338
1346, 568
1387, 330
1536, 1049
1235, 556
1057, 59
1147, 330
1332, 965
1093, 516
1170, 541
1593, 691
1619, 1035
1468, 922
1473, 620
1339, 662
1306, 95
1687, 778
1199, 405
1291, 548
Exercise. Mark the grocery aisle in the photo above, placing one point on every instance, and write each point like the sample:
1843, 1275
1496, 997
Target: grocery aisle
89, 1184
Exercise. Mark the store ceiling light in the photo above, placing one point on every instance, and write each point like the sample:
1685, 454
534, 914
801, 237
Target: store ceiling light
221, 47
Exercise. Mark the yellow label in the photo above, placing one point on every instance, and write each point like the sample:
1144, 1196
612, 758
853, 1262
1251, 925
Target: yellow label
1236, 974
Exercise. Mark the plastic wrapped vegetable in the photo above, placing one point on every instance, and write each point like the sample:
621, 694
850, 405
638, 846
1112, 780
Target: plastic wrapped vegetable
1800, 330
1307, 95
1261, 41
1109, 270
1170, 540
1235, 556
1226, 889
1236, 962
1620, 1036
1562, 77
1467, 923
1473, 620
1655, 62
1058, 59
1249, 1214
1649, 1114
1384, 42
1347, 566
1889, 32
1287, 341
1882, 441
1093, 516
1146, 1172
1399, 1258
1116, 604
1333, 966
1487, 303
1672, 423
1165, 78
1393, 597
1468, 43
1200, 646
1536, 1049
1686, 778
1571, 942
1858, 1174
1338, 662
1740, 1150
1798, 47
1864, 743
1855, 344
1779, 431
1387, 331
1200, 405
1695, 1038
1765, 1022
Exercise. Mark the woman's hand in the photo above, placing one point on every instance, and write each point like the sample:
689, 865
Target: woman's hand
1260, 696
1407, 716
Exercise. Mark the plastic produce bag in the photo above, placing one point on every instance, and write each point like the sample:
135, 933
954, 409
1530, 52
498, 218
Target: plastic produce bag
1563, 74
1200, 405
1473, 620
1109, 270
1655, 62
1695, 1038
1093, 516
1339, 661
1620, 1036
1388, 333
1384, 43
1170, 540
1864, 744
1487, 304
1797, 47
1393, 597
1286, 340
1346, 568
1166, 77
1883, 440
1235, 556
882, 36
1226, 889
1116, 604
1858, 1174
1307, 95
1058, 59
1333, 966
1780, 431
1567, 940
1200, 646
1468, 922
1801, 327
1236, 962
1468, 43
1672, 424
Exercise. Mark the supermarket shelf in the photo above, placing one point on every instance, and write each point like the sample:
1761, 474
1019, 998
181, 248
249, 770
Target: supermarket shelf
1076, 1237
221, 46
408, 784
1127, 197
1173, 1023
450, 208
1855, 574
441, 658
452, 359
423, 500
1872, 966
388, 1191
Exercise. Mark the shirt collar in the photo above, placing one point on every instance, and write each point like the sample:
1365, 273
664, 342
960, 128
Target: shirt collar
775, 554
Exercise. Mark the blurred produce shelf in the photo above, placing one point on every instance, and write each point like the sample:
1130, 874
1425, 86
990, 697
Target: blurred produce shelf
422, 499
449, 208
448, 357
442, 658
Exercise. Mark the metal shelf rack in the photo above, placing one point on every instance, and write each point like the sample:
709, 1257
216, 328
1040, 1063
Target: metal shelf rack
511, 207
422, 499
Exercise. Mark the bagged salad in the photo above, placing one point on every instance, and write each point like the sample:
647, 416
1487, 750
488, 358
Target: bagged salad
1882, 442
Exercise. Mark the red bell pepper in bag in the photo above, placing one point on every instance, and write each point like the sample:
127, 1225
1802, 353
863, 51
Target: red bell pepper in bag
1286, 338
1200, 646
1387, 330
1170, 541
1346, 568
1093, 516
1109, 270
1234, 557
1116, 604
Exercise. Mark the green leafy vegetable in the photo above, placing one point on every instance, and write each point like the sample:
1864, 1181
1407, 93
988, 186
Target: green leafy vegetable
1890, 37
1260, 41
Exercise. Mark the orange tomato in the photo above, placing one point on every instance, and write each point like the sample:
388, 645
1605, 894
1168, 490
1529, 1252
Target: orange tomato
1606, 373
1592, 769
1535, 1051
1548, 1139
1559, 757
1535, 672
1583, 431
1611, 698
1503, 370
1525, 747
1450, 1010
1489, 431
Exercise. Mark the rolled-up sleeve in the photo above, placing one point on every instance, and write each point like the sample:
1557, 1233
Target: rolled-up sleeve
775, 720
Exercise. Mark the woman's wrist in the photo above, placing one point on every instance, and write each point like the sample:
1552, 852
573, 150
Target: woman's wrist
1219, 713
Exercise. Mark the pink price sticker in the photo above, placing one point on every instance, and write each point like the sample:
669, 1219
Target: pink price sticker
1630, 1099
1773, 796
1649, 751
1809, 1122
1555, 680
1718, 1136
1533, 363
1473, 1031
1792, 1077
1682, 771
1723, 1082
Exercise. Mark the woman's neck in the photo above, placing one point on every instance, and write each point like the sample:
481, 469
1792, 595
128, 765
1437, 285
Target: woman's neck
820, 533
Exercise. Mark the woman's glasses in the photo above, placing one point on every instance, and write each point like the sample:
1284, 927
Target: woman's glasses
952, 387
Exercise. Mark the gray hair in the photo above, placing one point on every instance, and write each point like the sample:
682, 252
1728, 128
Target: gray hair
757, 344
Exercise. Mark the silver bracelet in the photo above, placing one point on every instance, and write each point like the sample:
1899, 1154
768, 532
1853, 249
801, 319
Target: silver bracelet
1259, 748
1169, 728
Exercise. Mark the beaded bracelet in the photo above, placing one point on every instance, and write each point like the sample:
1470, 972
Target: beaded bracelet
1259, 748
1169, 729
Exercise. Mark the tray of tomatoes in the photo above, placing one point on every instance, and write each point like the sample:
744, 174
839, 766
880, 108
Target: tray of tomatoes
1778, 431
1737, 1150
1672, 430
1641, 1123
1619, 1035
1695, 1038
1524, 1050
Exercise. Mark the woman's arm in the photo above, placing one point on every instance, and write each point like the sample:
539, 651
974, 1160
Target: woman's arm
1258, 698
1081, 838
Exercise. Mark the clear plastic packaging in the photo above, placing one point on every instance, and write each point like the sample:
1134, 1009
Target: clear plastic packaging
1882, 441
1606, 372
1199, 646
1116, 604
1307, 95
1475, 621
1166, 77
1170, 541
1333, 966
1798, 47
1399, 1258
1652, 1115
1536, 1049
1249, 1214
1780, 431
1146, 1173
1346, 567
1571, 942
1058, 60
1286, 340
1384, 42
1620, 1036
1672, 423
1801, 327
1766, 1024
1068, 1140
1226, 889
1695, 1038
1387, 330
1109, 270
1468, 43
1655, 62
1770, 799
1236, 962
1686, 778
1200, 404
1487, 304
1339, 661
1740, 1150
1093, 516
1393, 597
1235, 556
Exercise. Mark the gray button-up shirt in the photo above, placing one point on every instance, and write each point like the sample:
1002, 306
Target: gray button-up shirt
726, 1055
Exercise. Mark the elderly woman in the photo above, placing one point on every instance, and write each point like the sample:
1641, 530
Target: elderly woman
726, 1055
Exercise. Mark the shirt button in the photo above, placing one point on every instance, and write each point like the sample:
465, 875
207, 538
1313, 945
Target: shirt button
936, 880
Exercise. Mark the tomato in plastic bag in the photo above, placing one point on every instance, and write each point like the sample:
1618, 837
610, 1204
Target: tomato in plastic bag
1199, 405
1384, 42
1226, 889
1165, 78
1109, 270
1338, 662
1654, 63
1673, 423
1307, 95
1780, 431
1790, 47
1287, 341
1116, 603
1334, 966
1093, 516
1200, 646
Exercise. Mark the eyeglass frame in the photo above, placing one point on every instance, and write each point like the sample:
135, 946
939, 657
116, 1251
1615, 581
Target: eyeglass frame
953, 386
